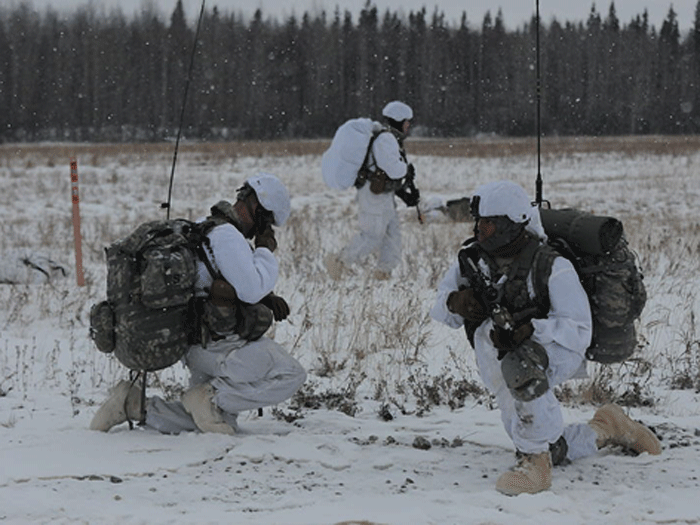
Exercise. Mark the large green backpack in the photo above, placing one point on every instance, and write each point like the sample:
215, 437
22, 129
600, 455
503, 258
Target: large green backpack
609, 273
148, 319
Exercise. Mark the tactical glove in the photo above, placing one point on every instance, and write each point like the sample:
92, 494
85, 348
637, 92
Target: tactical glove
411, 198
408, 191
266, 239
507, 340
464, 303
279, 307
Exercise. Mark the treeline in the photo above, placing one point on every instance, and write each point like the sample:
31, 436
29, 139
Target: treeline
97, 77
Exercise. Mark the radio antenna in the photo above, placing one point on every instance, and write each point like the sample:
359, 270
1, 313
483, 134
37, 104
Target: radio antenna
167, 205
538, 183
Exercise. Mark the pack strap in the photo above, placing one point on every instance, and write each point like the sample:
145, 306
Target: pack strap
203, 246
365, 173
204, 250
516, 283
368, 154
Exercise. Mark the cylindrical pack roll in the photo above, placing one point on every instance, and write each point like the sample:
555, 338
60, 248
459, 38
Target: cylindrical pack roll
584, 232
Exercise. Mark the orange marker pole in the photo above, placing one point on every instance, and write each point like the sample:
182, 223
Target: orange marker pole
76, 221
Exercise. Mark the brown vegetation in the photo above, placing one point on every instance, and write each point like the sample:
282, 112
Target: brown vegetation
444, 147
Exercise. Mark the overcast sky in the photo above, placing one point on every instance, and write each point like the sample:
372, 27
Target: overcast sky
515, 12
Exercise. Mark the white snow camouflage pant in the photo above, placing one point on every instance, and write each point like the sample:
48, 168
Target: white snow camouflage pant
379, 231
245, 376
533, 425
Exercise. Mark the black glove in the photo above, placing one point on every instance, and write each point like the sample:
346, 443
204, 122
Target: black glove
266, 239
410, 197
279, 307
408, 191
465, 303
507, 340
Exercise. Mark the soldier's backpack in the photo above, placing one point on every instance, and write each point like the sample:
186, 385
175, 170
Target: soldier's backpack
348, 152
609, 273
151, 316
148, 318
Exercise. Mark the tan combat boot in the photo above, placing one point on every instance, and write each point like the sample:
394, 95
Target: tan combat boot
123, 403
531, 475
199, 403
613, 426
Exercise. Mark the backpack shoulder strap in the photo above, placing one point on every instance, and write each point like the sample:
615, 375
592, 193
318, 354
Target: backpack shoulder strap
375, 134
202, 245
542, 270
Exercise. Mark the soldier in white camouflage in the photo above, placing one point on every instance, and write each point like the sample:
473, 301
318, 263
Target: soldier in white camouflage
233, 367
385, 174
523, 350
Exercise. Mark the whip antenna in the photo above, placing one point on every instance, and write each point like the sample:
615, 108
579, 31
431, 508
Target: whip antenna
166, 205
538, 184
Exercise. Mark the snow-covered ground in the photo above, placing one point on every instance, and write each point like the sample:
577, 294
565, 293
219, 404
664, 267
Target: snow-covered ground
392, 427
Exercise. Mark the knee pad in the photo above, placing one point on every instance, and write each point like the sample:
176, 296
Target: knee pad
524, 370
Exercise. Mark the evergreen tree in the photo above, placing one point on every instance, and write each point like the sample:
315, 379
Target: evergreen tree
666, 89
6, 130
177, 52
369, 72
693, 98
87, 76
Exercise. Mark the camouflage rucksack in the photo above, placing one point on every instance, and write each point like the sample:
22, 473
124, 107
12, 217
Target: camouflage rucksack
609, 273
148, 316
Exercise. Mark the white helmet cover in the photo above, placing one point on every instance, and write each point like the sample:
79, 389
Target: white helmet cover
398, 111
272, 195
506, 198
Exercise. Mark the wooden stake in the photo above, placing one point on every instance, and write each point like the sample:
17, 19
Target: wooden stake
76, 221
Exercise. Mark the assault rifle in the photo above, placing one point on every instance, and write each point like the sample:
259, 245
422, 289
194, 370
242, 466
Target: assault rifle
490, 295
483, 289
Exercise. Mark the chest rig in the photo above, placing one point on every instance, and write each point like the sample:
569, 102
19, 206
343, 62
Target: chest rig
515, 296
369, 171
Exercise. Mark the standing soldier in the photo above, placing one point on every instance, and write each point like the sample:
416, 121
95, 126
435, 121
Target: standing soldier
385, 173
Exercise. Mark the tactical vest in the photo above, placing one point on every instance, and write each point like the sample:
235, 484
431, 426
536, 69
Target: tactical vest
535, 257
369, 171
607, 270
